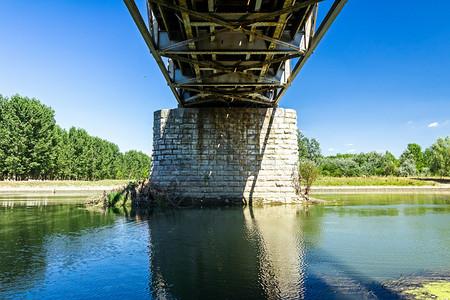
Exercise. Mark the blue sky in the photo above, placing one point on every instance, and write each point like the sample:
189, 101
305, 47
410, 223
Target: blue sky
380, 78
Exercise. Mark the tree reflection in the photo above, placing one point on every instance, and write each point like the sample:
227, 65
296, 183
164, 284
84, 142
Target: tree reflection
25, 230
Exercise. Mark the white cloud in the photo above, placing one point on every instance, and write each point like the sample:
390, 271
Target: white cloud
351, 151
331, 149
434, 124
349, 145
410, 124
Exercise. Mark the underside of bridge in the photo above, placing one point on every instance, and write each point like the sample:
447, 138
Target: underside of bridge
231, 53
228, 63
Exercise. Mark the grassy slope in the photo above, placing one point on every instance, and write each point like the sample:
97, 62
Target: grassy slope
379, 181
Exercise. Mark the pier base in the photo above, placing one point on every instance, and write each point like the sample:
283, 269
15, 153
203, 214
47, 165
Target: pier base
224, 155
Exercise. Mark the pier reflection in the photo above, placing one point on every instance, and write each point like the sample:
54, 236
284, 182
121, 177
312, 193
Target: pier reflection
250, 252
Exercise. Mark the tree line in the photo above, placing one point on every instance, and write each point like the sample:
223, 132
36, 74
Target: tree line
32, 146
433, 161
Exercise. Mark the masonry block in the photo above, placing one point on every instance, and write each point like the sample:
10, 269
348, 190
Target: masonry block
226, 154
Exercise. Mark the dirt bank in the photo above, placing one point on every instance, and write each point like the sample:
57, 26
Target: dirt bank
59, 186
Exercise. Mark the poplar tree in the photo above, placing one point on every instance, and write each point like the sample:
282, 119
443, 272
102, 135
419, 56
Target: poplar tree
27, 137
33, 146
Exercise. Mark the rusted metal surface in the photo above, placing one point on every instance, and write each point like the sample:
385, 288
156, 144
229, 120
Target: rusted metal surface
231, 52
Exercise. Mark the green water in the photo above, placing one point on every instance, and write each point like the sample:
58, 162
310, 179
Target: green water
52, 247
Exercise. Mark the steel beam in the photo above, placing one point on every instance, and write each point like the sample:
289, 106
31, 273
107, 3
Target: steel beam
240, 26
227, 52
134, 11
332, 14
229, 57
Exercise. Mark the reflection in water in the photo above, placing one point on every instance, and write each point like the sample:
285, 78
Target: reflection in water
277, 234
25, 203
24, 234
201, 254
259, 253
52, 248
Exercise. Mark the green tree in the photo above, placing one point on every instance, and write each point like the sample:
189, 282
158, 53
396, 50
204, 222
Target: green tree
33, 146
389, 158
417, 153
65, 155
408, 168
407, 164
391, 170
27, 137
308, 148
308, 173
440, 157
135, 165
427, 154
406, 155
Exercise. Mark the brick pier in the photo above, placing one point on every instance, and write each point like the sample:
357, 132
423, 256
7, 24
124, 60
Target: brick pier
247, 155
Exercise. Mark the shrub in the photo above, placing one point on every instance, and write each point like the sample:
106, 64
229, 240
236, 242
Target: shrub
408, 168
308, 173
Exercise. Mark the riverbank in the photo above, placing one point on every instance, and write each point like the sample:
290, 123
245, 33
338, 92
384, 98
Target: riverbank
340, 186
58, 186
379, 184
381, 181
317, 190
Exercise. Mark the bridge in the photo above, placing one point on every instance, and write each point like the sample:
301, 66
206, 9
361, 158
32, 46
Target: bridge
231, 52
228, 63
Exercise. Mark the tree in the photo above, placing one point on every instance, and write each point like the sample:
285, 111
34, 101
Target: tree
63, 154
417, 154
428, 153
33, 146
308, 148
440, 157
408, 168
308, 173
389, 158
27, 137
407, 164
391, 170
135, 165
406, 154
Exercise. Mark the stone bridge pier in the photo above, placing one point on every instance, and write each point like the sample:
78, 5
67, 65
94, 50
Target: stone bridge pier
226, 155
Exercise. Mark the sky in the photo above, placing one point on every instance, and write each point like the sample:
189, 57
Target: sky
379, 79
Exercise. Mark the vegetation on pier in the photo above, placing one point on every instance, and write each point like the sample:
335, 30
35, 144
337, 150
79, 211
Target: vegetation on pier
142, 193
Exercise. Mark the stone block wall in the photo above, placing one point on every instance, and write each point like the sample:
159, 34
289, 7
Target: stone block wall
226, 154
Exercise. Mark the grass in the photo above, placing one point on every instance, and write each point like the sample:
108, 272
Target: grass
378, 181
61, 183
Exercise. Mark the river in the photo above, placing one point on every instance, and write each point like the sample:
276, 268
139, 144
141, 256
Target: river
52, 247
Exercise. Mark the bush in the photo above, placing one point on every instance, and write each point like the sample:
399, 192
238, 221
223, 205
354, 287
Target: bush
308, 173
391, 170
408, 168
425, 171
